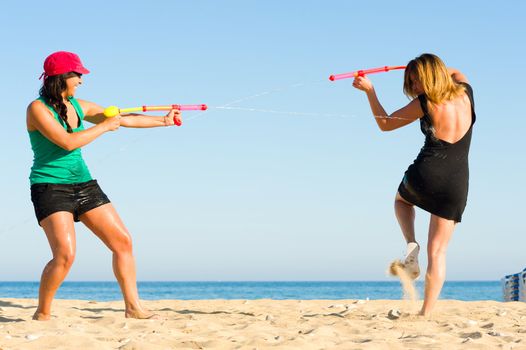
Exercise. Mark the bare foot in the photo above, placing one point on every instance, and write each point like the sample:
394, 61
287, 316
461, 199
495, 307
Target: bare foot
141, 315
39, 316
424, 314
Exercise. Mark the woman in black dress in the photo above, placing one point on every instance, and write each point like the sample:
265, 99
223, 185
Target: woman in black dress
437, 181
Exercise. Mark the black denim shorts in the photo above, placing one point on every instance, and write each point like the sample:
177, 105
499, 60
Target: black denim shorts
74, 198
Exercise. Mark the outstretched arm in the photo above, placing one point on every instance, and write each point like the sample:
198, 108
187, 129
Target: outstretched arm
387, 122
95, 114
40, 118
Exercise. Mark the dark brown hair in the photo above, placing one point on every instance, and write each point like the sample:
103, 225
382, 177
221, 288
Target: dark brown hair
51, 91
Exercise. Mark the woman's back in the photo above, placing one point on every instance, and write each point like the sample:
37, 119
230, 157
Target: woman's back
452, 119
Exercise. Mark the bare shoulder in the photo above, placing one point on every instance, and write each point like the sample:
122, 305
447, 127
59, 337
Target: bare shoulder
36, 112
37, 108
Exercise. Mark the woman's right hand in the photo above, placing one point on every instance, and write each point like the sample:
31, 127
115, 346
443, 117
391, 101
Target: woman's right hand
362, 83
112, 123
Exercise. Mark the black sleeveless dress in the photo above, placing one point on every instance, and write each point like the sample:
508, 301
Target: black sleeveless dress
437, 181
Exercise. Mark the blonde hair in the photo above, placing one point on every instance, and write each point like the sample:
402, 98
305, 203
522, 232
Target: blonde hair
436, 82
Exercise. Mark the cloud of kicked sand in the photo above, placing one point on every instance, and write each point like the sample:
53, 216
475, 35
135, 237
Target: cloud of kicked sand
397, 268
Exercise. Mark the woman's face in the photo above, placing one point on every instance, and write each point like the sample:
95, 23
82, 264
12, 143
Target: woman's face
72, 83
416, 84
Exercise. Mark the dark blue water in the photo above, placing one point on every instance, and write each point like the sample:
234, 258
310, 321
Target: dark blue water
106, 291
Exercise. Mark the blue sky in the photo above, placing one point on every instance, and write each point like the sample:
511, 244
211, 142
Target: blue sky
238, 194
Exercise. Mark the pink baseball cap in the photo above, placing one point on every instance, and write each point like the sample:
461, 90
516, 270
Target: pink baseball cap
61, 62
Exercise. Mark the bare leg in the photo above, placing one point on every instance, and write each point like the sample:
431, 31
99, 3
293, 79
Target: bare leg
440, 232
107, 225
405, 214
60, 232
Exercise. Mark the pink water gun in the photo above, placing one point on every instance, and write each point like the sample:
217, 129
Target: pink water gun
361, 73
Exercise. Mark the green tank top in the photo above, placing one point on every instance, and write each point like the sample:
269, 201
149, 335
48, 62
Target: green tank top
53, 164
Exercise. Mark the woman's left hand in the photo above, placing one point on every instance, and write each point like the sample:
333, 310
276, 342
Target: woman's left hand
173, 117
362, 83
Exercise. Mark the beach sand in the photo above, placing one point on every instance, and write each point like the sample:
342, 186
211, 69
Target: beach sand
265, 324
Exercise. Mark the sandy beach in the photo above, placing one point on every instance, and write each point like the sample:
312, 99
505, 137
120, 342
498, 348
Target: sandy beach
265, 324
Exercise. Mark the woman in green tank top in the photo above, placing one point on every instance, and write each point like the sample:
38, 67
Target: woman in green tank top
62, 189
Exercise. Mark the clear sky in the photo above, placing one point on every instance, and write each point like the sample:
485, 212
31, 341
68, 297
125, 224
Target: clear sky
240, 194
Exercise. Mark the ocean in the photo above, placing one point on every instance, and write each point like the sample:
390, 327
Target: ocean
107, 291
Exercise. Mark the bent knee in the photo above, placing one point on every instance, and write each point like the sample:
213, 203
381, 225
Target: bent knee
123, 244
64, 259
